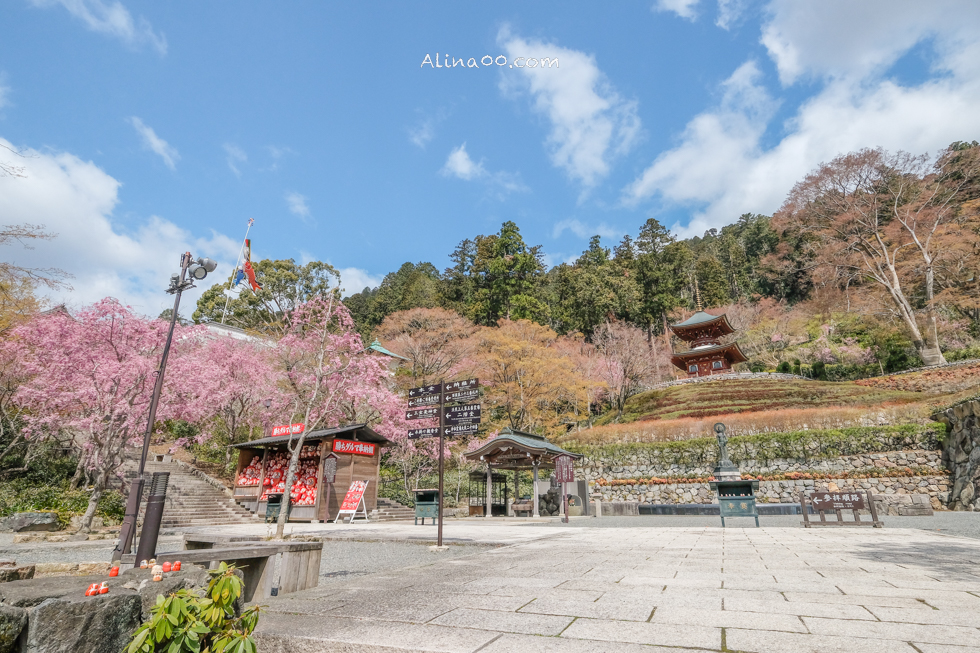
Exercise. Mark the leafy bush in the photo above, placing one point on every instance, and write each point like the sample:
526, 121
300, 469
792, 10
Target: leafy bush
186, 622
23, 495
819, 370
962, 354
783, 367
805, 445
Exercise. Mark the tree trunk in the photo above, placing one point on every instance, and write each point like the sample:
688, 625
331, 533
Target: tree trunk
93, 501
286, 491
931, 353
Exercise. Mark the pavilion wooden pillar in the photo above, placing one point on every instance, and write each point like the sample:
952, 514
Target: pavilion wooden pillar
534, 489
489, 509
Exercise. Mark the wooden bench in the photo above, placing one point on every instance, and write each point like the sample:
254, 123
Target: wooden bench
299, 570
523, 506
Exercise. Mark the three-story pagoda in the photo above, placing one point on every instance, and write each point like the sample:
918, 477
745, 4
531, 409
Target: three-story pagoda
706, 356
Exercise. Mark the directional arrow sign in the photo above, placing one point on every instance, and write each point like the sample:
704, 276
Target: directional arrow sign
425, 390
427, 400
423, 433
462, 429
422, 413
462, 395
465, 414
468, 384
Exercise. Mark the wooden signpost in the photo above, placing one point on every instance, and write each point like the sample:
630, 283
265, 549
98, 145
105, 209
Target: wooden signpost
564, 474
429, 402
834, 502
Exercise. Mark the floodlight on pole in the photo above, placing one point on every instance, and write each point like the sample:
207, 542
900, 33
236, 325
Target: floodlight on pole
178, 283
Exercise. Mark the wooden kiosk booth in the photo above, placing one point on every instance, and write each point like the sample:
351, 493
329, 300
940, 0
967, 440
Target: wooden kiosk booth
329, 461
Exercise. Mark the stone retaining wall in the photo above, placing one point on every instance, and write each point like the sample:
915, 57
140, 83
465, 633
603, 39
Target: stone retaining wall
961, 453
593, 470
935, 487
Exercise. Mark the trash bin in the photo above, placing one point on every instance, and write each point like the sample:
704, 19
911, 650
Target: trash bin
426, 505
273, 507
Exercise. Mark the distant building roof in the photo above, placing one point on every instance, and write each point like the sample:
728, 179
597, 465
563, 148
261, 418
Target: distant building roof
732, 352
361, 432
376, 346
533, 446
228, 331
699, 318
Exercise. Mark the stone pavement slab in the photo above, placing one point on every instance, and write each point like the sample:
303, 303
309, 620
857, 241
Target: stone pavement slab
768, 590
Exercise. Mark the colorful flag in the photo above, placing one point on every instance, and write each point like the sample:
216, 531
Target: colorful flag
247, 266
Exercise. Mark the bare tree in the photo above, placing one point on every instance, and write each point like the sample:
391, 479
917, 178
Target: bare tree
14, 275
631, 362
9, 169
436, 341
887, 219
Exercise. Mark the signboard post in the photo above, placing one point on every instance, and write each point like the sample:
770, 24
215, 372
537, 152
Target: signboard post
564, 474
834, 502
329, 476
353, 500
428, 402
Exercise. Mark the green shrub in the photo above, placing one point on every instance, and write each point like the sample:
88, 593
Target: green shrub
186, 622
962, 354
819, 370
805, 445
783, 367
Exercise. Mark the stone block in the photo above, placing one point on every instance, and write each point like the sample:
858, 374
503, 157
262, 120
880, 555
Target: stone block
12, 622
10, 574
76, 623
31, 521
57, 538
55, 568
93, 568
25, 538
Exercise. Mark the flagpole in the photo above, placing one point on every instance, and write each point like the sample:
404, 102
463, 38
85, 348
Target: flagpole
238, 264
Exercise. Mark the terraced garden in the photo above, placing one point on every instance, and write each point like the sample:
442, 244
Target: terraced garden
701, 400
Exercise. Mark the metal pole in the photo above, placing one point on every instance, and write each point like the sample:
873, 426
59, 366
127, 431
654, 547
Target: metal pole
564, 501
233, 272
154, 516
128, 528
442, 434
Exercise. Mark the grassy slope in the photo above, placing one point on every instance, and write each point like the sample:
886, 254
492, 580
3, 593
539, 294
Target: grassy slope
700, 400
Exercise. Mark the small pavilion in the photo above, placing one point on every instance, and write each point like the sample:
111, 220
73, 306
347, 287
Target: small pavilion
516, 451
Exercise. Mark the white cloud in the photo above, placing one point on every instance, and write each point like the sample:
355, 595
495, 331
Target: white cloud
112, 19
75, 199
460, 165
683, 8
297, 206
423, 133
729, 11
354, 280
591, 124
585, 231
723, 167
155, 144
843, 39
4, 91
234, 155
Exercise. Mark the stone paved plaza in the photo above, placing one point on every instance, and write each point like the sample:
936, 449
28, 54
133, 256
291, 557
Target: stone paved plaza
770, 590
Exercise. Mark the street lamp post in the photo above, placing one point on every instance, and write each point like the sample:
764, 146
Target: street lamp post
178, 284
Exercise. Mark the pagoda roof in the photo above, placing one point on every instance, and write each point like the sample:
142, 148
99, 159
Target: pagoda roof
734, 353
701, 320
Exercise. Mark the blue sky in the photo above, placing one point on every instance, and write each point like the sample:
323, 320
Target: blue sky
150, 128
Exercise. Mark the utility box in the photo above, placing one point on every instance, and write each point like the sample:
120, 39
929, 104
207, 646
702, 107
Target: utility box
426, 505
273, 507
736, 498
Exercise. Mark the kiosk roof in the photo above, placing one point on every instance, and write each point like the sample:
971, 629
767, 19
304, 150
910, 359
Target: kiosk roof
363, 432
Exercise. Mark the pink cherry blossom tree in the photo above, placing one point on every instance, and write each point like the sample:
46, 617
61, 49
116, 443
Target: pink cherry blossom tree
328, 377
237, 378
91, 376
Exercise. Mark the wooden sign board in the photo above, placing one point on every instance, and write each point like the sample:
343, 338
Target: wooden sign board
426, 390
462, 395
423, 413
428, 400
465, 414
468, 384
462, 429
415, 434
288, 429
356, 448
330, 468
832, 503
564, 471
353, 501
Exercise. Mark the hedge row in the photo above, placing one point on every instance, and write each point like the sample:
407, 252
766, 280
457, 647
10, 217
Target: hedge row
866, 472
766, 447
